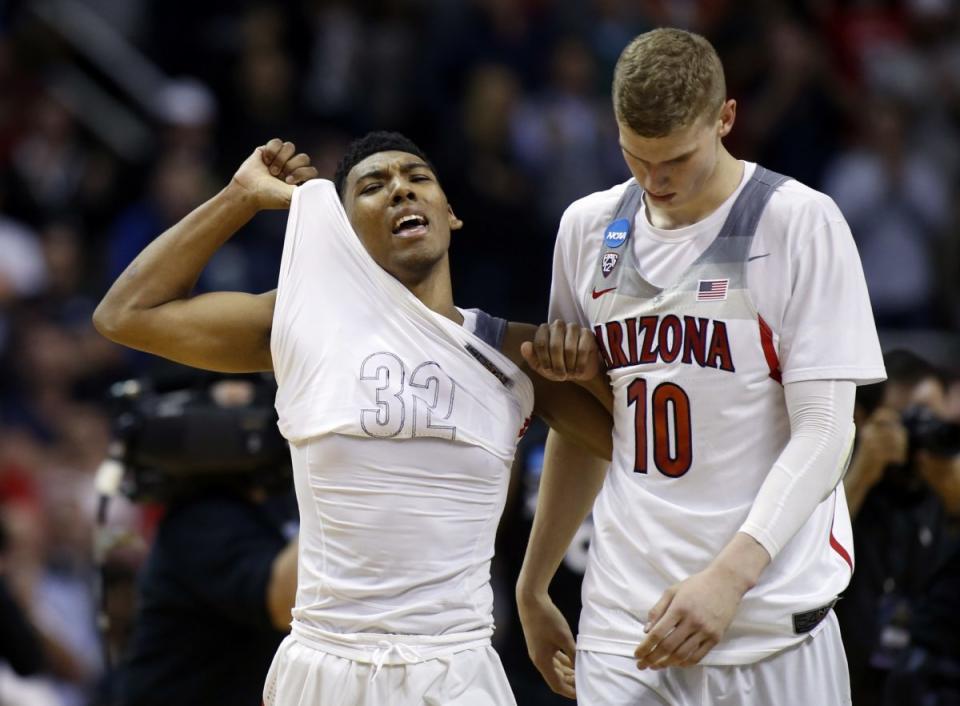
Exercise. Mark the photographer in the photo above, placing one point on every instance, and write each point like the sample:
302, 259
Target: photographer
928, 672
901, 533
220, 580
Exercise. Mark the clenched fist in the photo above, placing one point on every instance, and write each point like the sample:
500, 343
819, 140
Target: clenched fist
268, 176
562, 351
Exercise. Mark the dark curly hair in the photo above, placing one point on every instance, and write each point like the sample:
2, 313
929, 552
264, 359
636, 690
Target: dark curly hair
371, 143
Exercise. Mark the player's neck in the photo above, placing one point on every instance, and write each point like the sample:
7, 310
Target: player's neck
436, 291
722, 182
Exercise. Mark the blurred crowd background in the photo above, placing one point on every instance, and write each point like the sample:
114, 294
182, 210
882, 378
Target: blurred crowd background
117, 117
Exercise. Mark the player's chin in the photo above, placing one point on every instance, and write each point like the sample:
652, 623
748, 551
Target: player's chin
417, 259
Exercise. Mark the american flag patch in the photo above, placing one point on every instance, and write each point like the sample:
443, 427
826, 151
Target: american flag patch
711, 289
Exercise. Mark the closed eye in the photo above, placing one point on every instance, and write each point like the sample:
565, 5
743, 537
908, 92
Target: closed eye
370, 188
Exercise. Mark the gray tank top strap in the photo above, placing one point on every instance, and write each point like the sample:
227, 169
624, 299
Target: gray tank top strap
733, 242
724, 258
616, 253
490, 329
628, 205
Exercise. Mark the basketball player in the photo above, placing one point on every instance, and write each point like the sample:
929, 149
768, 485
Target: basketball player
402, 411
730, 308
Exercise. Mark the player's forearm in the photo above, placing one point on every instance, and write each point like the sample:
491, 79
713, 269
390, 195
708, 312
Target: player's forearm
570, 481
599, 387
168, 268
811, 464
575, 415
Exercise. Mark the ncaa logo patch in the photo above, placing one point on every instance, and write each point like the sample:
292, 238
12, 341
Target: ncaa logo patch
616, 233
609, 262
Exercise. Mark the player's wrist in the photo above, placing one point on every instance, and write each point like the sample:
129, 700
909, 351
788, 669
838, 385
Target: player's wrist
240, 198
741, 562
530, 590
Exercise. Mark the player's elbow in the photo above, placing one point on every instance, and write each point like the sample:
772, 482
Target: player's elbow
282, 587
281, 615
105, 320
110, 322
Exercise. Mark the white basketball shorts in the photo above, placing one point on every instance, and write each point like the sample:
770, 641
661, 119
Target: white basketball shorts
810, 673
301, 674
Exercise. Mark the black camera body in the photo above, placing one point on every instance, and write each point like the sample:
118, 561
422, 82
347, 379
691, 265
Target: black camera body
179, 440
927, 432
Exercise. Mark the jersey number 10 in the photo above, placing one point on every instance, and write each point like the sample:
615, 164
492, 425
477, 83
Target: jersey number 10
669, 407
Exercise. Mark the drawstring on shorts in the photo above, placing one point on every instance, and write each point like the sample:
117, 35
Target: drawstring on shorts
381, 653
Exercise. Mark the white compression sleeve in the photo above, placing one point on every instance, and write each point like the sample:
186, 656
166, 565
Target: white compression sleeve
810, 465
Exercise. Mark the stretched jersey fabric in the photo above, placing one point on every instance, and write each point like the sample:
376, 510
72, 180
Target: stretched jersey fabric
402, 427
699, 419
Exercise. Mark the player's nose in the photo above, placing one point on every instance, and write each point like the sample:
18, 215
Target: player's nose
402, 191
657, 178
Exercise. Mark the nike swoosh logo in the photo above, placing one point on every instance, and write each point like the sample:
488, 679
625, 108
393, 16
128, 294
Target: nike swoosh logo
757, 257
600, 293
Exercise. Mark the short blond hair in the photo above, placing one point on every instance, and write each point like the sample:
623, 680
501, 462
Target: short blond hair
667, 79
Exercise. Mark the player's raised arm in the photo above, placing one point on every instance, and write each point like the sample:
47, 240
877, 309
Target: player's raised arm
150, 306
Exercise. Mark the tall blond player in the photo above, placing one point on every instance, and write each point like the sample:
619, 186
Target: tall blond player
729, 305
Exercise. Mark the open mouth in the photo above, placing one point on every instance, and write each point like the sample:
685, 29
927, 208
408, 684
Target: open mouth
410, 225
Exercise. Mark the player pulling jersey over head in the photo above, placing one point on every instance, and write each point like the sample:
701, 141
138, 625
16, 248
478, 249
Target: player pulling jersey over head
730, 308
402, 411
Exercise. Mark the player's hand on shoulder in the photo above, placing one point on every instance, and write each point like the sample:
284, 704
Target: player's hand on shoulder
268, 176
688, 621
562, 351
550, 642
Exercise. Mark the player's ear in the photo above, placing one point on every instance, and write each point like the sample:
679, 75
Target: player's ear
455, 223
728, 115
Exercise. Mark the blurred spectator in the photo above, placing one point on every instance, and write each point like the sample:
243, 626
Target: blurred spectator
187, 110
897, 202
46, 574
331, 82
48, 161
263, 86
360, 64
23, 272
493, 198
465, 34
791, 114
565, 136
608, 28
951, 407
178, 183
20, 645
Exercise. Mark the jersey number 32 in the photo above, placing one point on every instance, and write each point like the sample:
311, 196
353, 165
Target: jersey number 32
428, 394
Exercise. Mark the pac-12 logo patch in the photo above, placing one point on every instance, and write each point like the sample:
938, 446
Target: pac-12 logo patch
616, 233
609, 262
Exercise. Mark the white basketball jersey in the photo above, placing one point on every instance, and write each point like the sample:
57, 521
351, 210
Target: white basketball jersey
402, 427
699, 420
